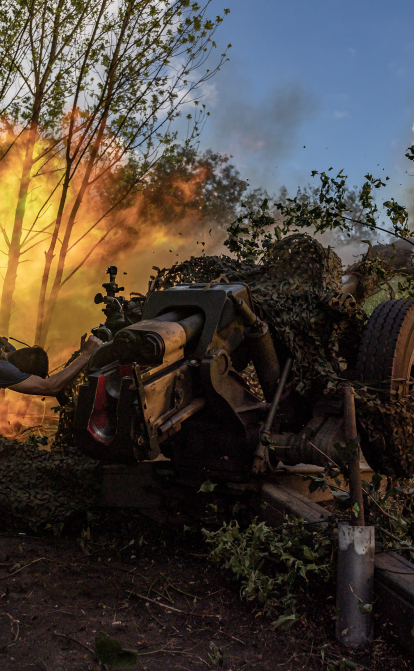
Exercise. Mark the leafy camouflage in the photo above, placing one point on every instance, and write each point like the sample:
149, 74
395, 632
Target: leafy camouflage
39, 487
297, 292
69, 399
297, 289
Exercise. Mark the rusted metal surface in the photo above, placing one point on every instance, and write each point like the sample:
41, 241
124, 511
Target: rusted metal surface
314, 444
355, 584
262, 449
260, 347
185, 398
174, 424
169, 382
170, 377
351, 434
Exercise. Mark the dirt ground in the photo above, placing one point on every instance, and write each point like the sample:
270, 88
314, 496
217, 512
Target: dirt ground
154, 590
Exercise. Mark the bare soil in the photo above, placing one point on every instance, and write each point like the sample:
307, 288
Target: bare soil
154, 590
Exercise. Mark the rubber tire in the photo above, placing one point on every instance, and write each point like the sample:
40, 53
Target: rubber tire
387, 345
385, 353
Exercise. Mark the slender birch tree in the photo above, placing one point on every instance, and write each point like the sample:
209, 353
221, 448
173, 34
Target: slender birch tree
42, 42
88, 84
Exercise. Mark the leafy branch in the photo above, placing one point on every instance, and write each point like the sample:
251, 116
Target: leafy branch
250, 237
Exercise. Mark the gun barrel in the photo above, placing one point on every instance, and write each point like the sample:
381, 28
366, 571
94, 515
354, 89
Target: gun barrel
150, 342
192, 325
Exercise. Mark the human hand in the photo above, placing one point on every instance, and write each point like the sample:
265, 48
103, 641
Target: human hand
90, 345
5, 345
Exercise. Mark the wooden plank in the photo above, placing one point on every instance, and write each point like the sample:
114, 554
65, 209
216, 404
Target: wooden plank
395, 572
294, 477
393, 614
285, 501
394, 591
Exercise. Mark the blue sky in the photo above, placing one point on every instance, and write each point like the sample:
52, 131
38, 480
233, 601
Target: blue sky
335, 77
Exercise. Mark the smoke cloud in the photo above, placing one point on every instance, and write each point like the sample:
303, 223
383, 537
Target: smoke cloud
258, 131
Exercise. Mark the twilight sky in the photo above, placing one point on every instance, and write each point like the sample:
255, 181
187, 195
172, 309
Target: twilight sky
335, 77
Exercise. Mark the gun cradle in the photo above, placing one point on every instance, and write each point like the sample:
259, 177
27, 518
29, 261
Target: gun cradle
170, 383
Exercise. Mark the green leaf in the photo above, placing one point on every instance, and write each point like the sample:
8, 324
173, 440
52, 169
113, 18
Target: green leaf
365, 608
285, 621
341, 496
308, 553
110, 651
207, 486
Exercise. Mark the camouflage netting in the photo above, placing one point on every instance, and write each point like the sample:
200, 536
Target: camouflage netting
38, 487
379, 265
387, 433
298, 292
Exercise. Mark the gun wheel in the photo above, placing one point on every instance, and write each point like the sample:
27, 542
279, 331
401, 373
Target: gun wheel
386, 352
386, 362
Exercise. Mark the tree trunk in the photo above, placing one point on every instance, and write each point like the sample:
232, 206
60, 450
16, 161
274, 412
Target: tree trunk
40, 338
47, 319
9, 285
44, 326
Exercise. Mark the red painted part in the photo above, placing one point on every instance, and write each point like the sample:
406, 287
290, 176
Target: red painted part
99, 420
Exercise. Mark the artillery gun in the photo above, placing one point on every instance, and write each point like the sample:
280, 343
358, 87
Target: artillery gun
170, 380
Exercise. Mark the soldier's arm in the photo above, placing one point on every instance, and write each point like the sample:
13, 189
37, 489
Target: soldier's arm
52, 385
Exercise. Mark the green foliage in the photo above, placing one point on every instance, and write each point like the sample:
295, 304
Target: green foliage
365, 608
84, 540
333, 211
36, 440
183, 188
110, 651
331, 207
215, 657
355, 510
351, 197
114, 55
207, 486
389, 508
406, 287
92, 84
344, 664
273, 565
248, 237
